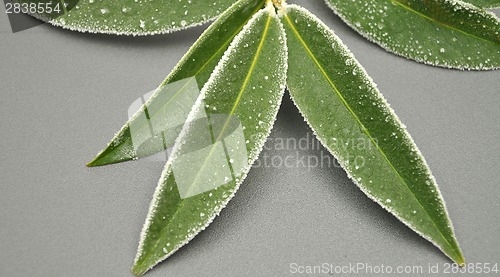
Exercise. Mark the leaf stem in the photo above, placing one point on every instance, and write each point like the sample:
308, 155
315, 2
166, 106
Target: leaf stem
277, 3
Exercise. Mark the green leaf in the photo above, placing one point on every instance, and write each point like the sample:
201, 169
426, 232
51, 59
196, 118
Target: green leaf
485, 4
444, 33
353, 121
129, 17
244, 92
174, 101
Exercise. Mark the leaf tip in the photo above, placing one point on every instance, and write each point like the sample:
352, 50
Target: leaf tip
460, 260
95, 162
108, 158
91, 164
138, 270
457, 256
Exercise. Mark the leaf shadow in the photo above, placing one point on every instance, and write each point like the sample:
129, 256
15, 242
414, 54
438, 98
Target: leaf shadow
354, 200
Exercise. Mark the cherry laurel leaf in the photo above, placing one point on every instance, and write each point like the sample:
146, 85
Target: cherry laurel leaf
127, 17
353, 121
445, 33
245, 91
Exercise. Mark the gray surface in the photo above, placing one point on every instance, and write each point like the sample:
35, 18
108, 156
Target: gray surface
64, 94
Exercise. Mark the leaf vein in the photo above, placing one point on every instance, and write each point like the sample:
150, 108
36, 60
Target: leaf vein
439, 22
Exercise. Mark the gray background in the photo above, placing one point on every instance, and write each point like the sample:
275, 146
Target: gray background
64, 94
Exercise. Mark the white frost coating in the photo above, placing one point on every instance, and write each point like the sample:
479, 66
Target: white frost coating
330, 35
62, 25
371, 38
60, 22
235, 45
203, 37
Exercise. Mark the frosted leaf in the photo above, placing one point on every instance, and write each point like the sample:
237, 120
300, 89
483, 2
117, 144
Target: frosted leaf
133, 17
208, 168
389, 168
438, 33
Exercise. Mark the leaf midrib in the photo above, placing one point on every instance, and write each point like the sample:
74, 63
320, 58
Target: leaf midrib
397, 2
240, 95
332, 84
247, 79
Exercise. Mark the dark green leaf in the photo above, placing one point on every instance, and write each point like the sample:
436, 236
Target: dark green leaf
444, 33
141, 17
353, 121
175, 101
239, 104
